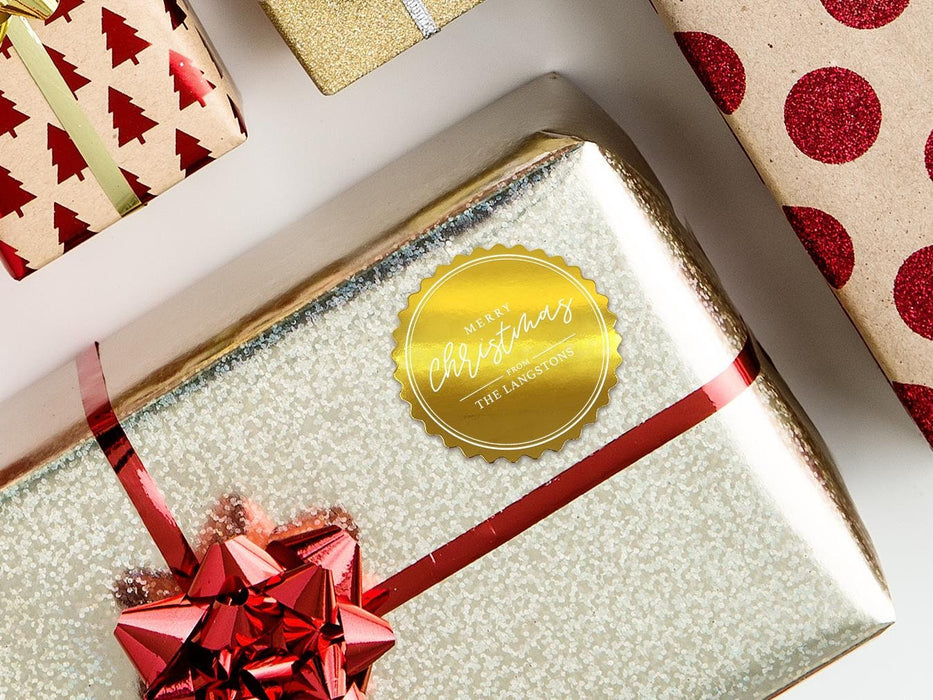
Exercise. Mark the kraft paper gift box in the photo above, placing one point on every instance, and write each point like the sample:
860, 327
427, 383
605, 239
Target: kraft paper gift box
340, 42
831, 101
501, 364
104, 105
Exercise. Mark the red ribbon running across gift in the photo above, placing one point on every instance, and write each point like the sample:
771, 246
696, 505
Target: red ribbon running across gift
137, 482
567, 486
459, 553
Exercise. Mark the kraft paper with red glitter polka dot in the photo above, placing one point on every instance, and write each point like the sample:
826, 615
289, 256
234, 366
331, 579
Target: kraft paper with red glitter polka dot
146, 77
832, 101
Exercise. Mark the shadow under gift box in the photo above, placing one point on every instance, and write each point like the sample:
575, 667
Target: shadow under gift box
728, 563
155, 98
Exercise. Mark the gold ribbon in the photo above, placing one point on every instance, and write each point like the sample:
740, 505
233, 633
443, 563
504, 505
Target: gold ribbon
33, 9
13, 23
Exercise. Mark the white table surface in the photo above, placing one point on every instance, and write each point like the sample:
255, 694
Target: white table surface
304, 148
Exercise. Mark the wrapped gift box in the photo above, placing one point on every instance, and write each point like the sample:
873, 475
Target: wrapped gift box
726, 561
339, 42
147, 88
831, 101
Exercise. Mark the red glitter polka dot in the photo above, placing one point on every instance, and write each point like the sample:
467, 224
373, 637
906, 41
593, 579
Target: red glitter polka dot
865, 14
918, 400
827, 242
833, 115
913, 292
718, 67
929, 155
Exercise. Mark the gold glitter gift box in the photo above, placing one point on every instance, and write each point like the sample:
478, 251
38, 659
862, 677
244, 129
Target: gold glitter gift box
339, 41
516, 289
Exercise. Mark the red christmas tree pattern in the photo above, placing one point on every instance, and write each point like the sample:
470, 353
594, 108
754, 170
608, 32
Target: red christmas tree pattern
14, 263
65, 154
142, 191
71, 230
12, 195
237, 115
175, 13
64, 10
6, 46
10, 117
192, 154
122, 41
190, 83
128, 118
69, 71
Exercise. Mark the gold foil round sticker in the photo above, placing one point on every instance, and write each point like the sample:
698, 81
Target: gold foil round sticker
506, 352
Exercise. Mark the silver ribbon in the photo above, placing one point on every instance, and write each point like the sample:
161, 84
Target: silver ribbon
421, 16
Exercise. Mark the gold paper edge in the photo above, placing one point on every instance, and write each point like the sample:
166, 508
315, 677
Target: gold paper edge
881, 629
526, 156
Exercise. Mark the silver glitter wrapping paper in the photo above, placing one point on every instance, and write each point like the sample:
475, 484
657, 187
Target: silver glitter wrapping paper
727, 564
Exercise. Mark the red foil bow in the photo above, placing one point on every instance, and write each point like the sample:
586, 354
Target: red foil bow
290, 620
286, 622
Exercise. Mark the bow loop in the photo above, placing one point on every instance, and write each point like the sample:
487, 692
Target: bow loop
258, 623
31, 9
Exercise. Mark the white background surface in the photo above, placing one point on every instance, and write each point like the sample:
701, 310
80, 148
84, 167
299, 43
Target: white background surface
304, 148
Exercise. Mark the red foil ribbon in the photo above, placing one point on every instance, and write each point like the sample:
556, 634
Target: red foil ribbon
285, 621
569, 485
292, 620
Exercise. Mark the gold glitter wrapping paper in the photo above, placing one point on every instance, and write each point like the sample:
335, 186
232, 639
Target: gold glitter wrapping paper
339, 41
729, 563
